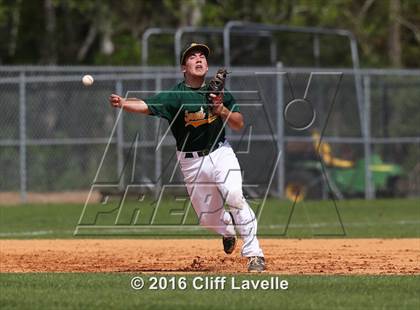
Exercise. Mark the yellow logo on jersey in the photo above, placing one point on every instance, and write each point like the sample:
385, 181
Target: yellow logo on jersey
197, 119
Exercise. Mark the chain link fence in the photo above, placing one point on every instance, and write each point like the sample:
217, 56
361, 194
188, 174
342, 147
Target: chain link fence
54, 132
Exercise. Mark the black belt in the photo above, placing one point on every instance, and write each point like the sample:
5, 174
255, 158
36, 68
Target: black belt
203, 152
199, 153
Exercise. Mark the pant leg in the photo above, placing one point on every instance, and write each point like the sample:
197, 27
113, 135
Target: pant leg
205, 196
229, 178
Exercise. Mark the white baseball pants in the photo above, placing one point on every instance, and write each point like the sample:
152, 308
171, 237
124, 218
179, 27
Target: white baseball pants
212, 181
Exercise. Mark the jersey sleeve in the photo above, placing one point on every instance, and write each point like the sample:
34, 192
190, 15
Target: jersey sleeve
230, 102
162, 104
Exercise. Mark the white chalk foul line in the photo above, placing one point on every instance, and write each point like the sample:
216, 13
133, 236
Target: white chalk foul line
35, 233
134, 228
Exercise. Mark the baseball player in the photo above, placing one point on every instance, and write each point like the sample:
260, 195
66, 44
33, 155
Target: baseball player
211, 170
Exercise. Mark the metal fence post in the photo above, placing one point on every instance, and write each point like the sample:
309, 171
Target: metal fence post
317, 50
273, 50
120, 138
280, 131
158, 157
369, 187
22, 137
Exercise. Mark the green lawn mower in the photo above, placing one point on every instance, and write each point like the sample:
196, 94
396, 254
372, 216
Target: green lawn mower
306, 177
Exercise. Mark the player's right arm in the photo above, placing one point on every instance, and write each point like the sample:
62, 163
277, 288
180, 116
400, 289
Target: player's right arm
134, 105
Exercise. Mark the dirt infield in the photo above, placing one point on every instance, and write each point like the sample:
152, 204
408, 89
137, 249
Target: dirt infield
284, 256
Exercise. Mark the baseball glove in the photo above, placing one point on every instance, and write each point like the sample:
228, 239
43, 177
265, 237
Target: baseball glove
217, 84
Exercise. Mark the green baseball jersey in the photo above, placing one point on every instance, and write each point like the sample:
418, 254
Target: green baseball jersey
192, 123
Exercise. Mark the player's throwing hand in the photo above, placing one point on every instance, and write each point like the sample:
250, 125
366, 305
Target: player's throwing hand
116, 101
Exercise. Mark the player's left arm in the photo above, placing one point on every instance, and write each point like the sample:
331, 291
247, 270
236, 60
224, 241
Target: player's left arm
228, 111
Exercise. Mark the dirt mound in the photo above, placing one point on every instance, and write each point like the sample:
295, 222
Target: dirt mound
284, 256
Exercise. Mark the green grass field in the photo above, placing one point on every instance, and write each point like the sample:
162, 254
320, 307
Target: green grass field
113, 291
361, 219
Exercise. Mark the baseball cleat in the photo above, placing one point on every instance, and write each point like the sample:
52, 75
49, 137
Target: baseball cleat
256, 264
229, 244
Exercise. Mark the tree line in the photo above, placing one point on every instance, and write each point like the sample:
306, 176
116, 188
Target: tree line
71, 32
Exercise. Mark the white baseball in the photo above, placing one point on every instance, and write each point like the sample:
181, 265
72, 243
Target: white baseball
87, 80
